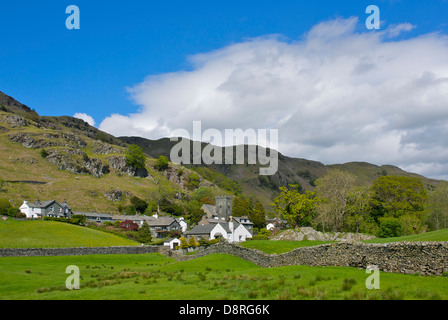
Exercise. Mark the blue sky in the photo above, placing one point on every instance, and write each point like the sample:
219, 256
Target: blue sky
61, 72
131, 61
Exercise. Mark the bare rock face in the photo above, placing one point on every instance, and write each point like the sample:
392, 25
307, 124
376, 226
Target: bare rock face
104, 148
68, 159
96, 167
15, 121
114, 195
119, 164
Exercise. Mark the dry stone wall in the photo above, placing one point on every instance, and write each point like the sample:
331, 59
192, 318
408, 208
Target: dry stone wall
425, 258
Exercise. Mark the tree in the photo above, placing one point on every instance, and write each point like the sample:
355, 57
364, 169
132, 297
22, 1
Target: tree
192, 242
438, 207
139, 204
241, 207
183, 243
144, 233
394, 196
161, 163
5, 205
333, 189
128, 225
358, 217
390, 227
295, 207
258, 216
135, 157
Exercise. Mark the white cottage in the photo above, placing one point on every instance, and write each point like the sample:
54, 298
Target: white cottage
40, 209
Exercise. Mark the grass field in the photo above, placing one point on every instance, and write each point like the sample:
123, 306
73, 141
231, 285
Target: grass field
217, 276
49, 234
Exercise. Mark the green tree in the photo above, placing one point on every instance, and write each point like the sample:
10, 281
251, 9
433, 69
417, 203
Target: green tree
295, 207
183, 243
139, 204
358, 210
144, 233
390, 227
258, 216
161, 163
192, 242
241, 207
394, 196
5, 205
135, 157
438, 207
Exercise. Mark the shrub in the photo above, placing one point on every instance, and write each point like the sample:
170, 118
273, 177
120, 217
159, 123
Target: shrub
192, 242
43, 153
194, 180
213, 241
78, 219
5, 205
183, 243
128, 225
390, 227
161, 163
135, 157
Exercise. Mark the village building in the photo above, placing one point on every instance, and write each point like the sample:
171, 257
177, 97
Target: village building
40, 209
218, 222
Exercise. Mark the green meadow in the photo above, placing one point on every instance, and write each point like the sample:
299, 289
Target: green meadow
213, 277
217, 276
50, 234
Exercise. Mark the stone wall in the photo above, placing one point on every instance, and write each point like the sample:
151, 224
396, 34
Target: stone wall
426, 258
29, 252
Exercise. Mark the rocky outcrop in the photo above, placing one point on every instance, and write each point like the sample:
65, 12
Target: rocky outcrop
38, 141
113, 195
14, 121
119, 164
70, 160
308, 233
105, 148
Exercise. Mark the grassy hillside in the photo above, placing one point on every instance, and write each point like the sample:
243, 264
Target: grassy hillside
217, 276
49, 234
83, 165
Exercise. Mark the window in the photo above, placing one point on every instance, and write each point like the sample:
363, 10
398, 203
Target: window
51, 209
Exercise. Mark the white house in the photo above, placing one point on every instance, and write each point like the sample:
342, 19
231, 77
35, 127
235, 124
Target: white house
40, 209
172, 243
233, 230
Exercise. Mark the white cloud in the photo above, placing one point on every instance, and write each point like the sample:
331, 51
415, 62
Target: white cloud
336, 95
85, 117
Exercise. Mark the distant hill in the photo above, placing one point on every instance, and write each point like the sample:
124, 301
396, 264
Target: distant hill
64, 158
290, 171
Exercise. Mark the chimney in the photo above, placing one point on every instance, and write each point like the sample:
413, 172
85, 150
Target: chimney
231, 224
